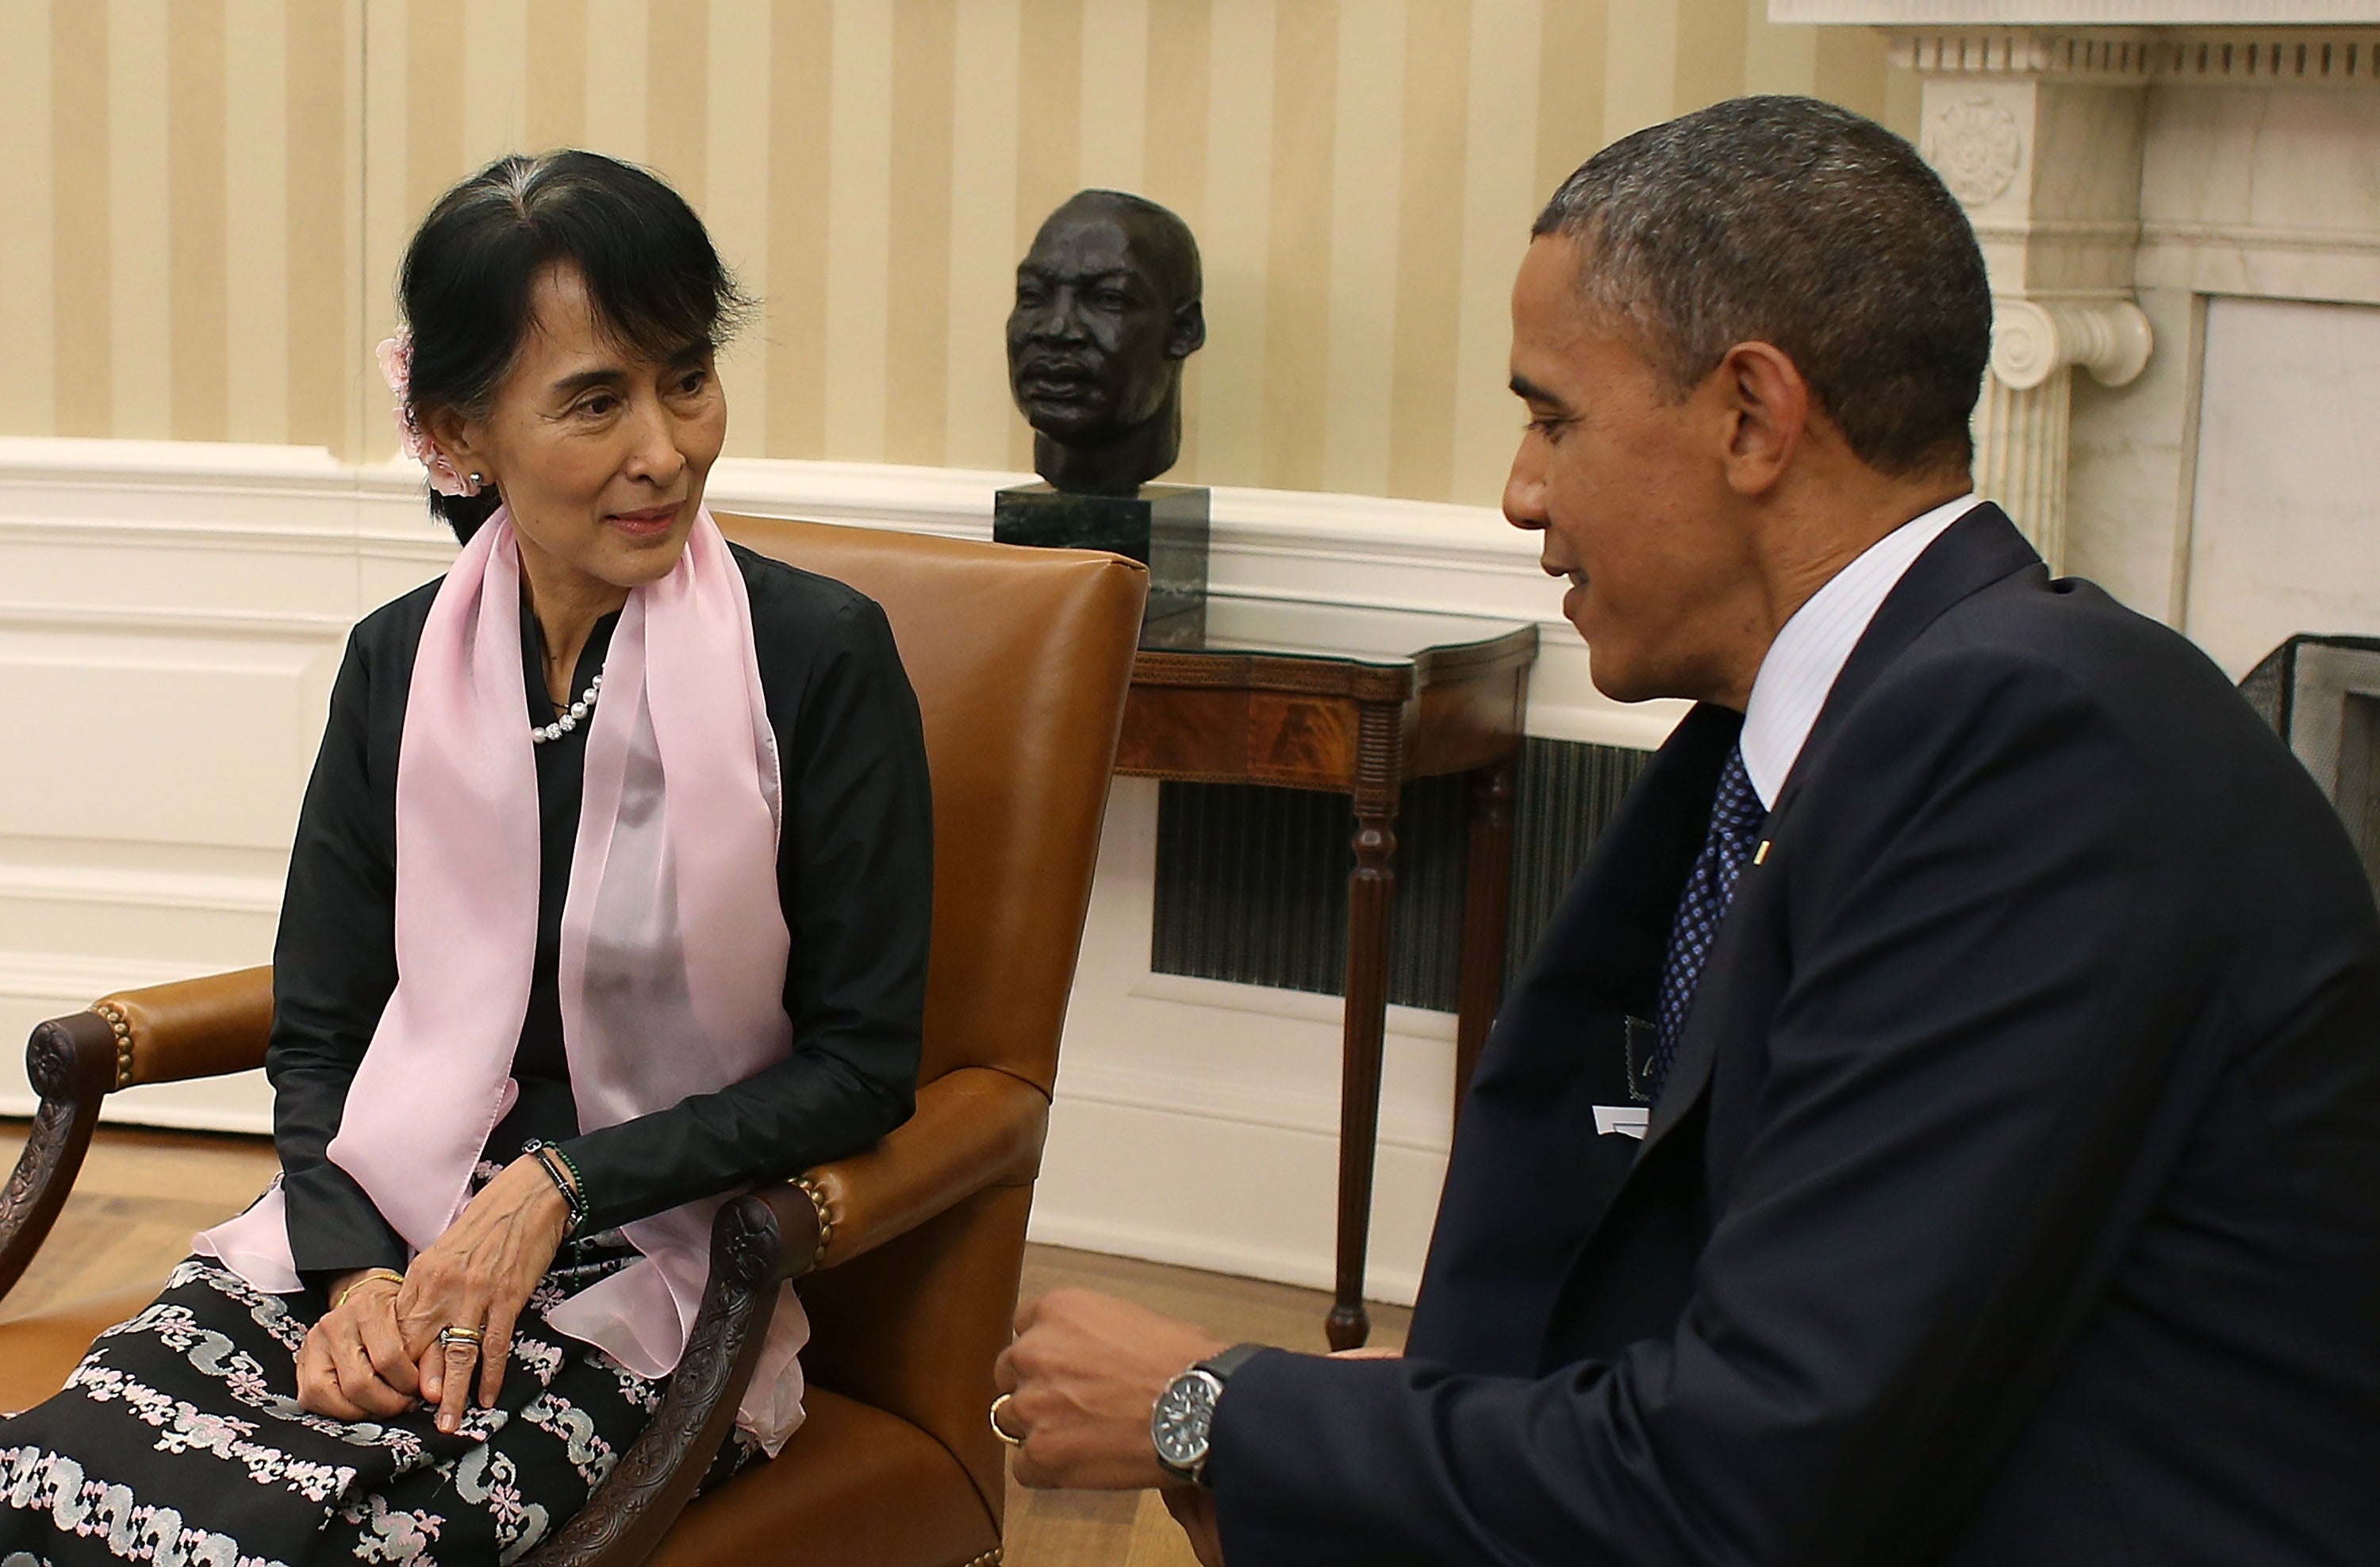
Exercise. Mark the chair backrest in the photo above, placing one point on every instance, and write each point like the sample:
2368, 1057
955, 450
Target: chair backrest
1021, 659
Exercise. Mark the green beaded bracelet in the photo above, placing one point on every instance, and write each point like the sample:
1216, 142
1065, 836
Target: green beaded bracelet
563, 1172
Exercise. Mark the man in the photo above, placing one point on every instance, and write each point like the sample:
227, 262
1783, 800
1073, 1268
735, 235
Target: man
2011, 1193
1107, 309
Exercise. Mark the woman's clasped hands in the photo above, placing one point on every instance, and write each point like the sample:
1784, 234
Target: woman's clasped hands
353, 1365
391, 1341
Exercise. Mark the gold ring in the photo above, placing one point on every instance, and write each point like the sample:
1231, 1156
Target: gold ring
458, 1338
997, 1429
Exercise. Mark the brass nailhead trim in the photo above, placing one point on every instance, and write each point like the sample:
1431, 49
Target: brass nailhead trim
989, 1558
818, 1259
123, 1026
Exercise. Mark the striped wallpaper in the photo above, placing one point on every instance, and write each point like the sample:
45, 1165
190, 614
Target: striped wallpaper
203, 200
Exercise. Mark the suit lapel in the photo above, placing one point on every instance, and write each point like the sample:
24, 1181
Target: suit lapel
1978, 550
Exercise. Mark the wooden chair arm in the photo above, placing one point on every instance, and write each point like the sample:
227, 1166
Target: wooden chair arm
209, 1027
163, 1034
72, 1063
626, 1517
973, 1128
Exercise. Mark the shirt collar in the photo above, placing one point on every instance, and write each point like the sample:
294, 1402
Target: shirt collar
1811, 648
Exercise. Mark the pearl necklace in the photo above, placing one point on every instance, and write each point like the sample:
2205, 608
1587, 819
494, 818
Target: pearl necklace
539, 733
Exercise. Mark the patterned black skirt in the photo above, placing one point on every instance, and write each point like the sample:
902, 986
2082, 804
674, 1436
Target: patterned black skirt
179, 1440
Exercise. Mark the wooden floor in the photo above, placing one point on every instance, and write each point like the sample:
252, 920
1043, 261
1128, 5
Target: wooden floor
142, 1194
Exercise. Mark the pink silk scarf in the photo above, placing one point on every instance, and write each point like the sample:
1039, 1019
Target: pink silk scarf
673, 943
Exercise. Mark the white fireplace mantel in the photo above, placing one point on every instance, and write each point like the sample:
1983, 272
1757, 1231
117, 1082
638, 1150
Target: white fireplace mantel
2129, 165
2078, 13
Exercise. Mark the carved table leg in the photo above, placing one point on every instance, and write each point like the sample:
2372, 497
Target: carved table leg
1487, 898
1371, 892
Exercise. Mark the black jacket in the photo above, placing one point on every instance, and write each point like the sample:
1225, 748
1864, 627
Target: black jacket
2016, 1196
855, 878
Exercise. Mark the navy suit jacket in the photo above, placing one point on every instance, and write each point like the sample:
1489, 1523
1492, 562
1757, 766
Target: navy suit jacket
2015, 1200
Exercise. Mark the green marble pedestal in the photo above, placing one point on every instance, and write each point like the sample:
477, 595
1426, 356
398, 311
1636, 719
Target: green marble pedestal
1164, 527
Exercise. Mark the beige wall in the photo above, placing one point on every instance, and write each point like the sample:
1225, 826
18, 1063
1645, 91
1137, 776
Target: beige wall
204, 200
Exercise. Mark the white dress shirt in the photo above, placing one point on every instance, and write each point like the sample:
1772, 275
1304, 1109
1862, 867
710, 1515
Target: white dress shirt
1808, 654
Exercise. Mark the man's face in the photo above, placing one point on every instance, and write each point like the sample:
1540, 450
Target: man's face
1627, 486
1090, 340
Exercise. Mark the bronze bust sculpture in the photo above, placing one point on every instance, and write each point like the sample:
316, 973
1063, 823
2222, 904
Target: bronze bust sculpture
1107, 309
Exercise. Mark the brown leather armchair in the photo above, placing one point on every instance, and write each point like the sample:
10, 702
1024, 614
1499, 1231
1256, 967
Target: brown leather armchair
908, 1255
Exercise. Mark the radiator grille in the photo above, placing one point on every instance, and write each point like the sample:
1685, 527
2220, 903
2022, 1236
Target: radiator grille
1252, 882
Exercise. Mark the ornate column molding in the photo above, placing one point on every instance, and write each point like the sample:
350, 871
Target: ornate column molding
2041, 143
2025, 418
2077, 13
2032, 340
2190, 56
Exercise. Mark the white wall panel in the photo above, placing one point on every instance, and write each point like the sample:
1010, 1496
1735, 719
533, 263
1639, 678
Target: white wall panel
164, 739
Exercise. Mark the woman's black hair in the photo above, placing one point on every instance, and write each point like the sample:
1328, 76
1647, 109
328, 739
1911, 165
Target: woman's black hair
657, 284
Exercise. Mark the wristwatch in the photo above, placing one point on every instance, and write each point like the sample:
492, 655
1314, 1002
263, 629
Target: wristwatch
1185, 1412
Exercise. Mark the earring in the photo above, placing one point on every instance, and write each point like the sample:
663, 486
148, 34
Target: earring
476, 480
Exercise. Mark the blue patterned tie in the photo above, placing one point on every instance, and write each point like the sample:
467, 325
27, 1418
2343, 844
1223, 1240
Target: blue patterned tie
1736, 817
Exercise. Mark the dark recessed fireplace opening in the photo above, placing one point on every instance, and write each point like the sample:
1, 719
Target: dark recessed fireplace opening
2322, 696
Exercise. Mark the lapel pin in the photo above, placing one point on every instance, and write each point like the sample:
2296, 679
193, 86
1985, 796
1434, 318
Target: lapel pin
1760, 855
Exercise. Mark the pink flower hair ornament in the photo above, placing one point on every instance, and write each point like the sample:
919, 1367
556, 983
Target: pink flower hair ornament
395, 356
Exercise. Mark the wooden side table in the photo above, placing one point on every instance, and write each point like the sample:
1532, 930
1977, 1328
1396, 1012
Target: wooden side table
1355, 702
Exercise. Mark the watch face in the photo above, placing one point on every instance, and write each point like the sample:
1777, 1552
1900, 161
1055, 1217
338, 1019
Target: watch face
1182, 1414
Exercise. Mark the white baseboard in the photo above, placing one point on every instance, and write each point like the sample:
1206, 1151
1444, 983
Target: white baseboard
1212, 1254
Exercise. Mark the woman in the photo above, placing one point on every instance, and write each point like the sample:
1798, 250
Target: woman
597, 914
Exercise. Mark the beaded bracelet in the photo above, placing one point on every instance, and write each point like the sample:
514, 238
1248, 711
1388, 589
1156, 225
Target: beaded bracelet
563, 1172
577, 1182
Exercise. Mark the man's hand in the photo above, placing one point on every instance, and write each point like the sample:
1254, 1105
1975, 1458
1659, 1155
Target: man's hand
354, 1365
479, 1274
1084, 1374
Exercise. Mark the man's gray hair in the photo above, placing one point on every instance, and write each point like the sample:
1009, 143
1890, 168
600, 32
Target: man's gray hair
1793, 223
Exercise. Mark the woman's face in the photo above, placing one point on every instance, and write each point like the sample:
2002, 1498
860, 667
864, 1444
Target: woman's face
600, 455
